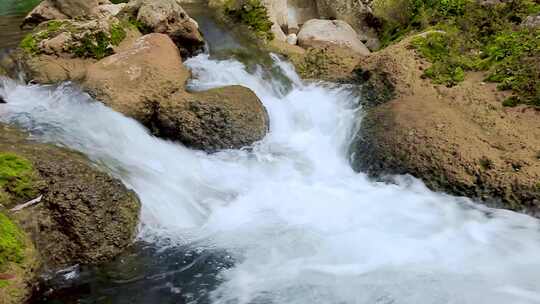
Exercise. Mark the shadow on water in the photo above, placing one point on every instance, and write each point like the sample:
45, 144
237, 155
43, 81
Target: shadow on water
143, 274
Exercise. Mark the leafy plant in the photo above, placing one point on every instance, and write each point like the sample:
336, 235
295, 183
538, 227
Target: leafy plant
253, 14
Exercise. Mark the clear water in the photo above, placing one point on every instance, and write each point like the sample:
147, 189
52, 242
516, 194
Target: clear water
286, 220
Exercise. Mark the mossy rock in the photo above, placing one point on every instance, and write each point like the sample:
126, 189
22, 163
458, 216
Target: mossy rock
18, 262
18, 180
76, 38
76, 197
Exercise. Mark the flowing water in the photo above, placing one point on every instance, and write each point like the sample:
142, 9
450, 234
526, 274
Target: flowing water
284, 221
287, 220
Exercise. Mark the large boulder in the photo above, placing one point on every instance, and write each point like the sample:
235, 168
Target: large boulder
320, 33
85, 216
459, 139
222, 118
134, 81
147, 81
167, 17
61, 50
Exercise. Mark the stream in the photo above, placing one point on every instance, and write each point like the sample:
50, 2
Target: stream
284, 221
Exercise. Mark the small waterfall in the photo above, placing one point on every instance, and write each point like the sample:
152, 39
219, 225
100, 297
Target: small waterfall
302, 226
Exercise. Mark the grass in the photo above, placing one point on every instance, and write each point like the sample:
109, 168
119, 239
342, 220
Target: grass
11, 242
253, 14
470, 37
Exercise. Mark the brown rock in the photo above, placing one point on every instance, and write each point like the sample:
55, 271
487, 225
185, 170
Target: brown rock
223, 118
133, 80
45, 11
321, 33
85, 216
460, 139
168, 17
146, 82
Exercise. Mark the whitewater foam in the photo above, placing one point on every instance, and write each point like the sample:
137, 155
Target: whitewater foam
302, 225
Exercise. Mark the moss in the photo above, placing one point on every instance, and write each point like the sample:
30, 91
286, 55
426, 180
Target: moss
141, 26
471, 37
4, 283
253, 14
118, 34
12, 242
55, 25
17, 177
29, 44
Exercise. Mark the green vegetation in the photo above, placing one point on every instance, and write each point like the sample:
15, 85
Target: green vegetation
466, 36
253, 14
11, 242
17, 178
143, 28
29, 44
98, 44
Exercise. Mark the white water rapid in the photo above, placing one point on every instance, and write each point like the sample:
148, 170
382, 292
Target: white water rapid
302, 226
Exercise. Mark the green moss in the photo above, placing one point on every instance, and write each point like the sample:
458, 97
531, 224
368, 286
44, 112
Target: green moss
118, 34
29, 44
54, 25
141, 26
253, 14
17, 176
11, 242
4, 283
450, 59
472, 37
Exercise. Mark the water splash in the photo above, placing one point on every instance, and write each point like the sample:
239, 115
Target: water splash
301, 225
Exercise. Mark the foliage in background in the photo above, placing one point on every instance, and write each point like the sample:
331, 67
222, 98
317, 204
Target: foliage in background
253, 14
467, 36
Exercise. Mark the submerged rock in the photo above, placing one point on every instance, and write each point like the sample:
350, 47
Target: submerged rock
167, 17
83, 216
320, 33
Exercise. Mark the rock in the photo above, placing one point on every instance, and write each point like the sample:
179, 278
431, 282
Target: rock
278, 32
147, 83
84, 217
292, 39
277, 11
50, 69
60, 9
134, 81
110, 9
76, 8
45, 11
445, 136
320, 33
224, 118
167, 17
355, 12
72, 38
532, 22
